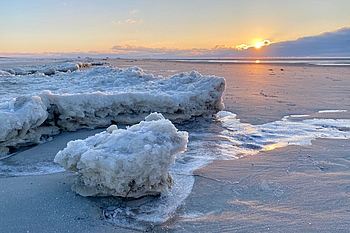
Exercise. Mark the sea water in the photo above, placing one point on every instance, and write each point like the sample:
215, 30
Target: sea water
322, 61
215, 136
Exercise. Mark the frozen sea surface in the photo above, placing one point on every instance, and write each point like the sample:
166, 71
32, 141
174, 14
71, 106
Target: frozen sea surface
223, 137
220, 137
36, 105
217, 135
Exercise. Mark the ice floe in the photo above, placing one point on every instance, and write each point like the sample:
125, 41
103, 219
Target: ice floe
48, 69
130, 162
36, 105
332, 111
222, 137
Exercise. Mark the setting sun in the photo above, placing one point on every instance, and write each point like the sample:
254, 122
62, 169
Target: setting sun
256, 45
260, 44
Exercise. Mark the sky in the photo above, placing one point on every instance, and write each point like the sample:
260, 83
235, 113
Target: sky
175, 28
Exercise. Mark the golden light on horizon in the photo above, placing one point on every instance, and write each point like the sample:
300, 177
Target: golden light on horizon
260, 44
242, 46
256, 45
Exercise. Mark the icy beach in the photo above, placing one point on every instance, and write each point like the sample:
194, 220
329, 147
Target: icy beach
252, 166
37, 105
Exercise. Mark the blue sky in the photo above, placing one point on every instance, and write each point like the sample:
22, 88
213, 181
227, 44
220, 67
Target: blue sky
175, 29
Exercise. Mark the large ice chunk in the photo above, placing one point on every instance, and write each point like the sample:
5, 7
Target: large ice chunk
68, 67
129, 162
128, 96
99, 97
20, 121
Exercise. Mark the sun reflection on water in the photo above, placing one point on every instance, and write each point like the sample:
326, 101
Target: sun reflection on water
274, 146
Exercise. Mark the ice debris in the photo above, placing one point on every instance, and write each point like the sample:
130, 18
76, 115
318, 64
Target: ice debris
100, 97
130, 162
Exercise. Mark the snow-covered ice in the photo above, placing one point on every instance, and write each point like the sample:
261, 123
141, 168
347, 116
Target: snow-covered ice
20, 123
47, 69
36, 104
228, 138
130, 162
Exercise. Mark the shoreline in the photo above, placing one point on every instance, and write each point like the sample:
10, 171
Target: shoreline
251, 88
341, 62
267, 191
291, 189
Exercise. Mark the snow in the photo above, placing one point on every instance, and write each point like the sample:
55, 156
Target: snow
130, 162
98, 97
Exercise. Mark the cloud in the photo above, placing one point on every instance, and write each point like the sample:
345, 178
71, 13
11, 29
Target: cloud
130, 21
257, 45
220, 46
134, 11
174, 52
332, 43
327, 44
120, 22
142, 51
116, 23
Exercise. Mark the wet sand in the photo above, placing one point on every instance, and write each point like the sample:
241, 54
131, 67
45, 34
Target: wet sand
291, 189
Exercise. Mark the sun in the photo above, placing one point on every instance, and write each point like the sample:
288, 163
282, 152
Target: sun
260, 44
256, 45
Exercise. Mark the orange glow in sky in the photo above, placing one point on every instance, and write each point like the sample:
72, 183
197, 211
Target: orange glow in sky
256, 45
260, 44
103, 27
